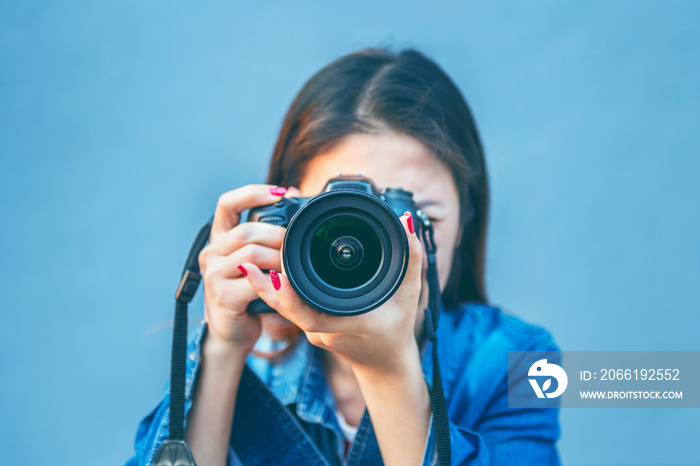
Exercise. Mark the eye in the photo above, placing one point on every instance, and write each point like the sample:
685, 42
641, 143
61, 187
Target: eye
433, 211
431, 216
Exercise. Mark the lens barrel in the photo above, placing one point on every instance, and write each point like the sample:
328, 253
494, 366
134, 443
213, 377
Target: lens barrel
345, 252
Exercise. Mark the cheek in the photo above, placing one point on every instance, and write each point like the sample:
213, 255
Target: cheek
444, 266
446, 244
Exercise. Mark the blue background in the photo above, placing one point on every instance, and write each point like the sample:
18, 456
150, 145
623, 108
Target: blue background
122, 122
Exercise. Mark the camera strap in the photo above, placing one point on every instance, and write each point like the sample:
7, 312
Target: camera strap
175, 451
441, 422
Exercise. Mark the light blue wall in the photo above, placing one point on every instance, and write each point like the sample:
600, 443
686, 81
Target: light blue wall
121, 122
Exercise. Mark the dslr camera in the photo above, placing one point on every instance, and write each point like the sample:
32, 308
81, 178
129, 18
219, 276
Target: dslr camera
345, 251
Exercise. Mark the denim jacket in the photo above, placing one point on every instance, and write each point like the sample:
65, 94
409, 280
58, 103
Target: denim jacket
285, 411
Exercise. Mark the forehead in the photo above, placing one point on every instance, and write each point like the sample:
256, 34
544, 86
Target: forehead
389, 159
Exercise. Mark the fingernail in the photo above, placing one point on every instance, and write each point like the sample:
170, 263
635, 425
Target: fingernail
409, 221
278, 191
243, 270
274, 276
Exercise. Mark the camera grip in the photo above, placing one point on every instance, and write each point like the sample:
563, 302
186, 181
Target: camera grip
258, 306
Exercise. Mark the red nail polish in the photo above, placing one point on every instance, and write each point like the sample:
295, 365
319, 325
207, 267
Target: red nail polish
243, 270
278, 191
275, 278
409, 221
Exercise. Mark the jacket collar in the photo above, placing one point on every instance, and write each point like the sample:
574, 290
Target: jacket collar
299, 380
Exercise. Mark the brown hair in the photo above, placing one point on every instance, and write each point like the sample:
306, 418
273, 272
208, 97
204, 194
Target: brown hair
374, 90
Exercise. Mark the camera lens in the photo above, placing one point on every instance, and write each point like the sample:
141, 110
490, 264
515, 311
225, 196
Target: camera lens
345, 252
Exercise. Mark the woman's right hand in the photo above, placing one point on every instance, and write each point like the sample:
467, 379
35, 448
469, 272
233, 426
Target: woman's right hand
226, 292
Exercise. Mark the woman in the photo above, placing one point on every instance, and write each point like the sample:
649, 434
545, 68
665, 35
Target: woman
355, 389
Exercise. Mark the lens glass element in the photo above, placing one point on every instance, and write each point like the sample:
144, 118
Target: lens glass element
345, 252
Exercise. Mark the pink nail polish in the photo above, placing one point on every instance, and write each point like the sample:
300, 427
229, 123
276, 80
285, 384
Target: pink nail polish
275, 278
409, 221
243, 270
278, 191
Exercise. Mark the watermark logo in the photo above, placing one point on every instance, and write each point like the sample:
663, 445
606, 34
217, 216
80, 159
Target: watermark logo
603, 379
542, 368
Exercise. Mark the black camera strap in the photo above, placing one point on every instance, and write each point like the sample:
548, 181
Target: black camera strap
175, 451
441, 422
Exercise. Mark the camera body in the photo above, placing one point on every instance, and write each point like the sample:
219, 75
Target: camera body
345, 251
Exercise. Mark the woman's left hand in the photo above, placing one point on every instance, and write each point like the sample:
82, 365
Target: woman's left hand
378, 340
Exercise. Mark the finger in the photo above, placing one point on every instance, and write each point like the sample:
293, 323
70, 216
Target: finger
292, 192
293, 308
230, 294
415, 249
232, 203
261, 284
263, 258
261, 233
